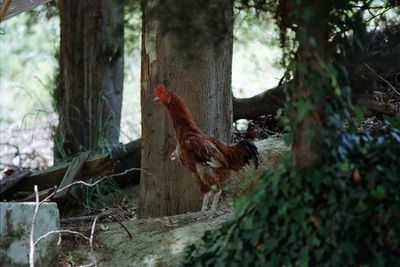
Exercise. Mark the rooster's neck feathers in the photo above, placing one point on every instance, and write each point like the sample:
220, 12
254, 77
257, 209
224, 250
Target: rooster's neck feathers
180, 114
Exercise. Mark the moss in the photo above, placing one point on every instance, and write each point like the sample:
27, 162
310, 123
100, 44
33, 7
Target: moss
12, 234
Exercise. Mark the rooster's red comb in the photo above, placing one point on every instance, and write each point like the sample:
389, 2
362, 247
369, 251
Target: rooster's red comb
159, 89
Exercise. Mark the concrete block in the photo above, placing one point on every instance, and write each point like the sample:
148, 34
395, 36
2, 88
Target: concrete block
15, 227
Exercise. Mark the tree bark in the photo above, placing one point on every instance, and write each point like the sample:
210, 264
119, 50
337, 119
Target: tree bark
195, 62
308, 95
311, 84
90, 82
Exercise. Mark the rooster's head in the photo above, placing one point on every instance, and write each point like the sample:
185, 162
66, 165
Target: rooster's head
164, 96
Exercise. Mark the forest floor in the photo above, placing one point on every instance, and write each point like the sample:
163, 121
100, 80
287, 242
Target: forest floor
153, 242
127, 241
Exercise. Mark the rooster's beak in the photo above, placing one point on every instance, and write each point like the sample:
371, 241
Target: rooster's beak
155, 99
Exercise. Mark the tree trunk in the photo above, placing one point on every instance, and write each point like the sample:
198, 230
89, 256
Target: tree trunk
90, 82
307, 97
195, 62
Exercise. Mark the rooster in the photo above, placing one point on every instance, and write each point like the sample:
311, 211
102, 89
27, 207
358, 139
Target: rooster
208, 158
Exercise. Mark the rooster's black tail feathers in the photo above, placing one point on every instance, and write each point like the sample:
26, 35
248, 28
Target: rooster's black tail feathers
251, 151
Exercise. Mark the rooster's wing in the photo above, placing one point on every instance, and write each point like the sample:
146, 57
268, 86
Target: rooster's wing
205, 151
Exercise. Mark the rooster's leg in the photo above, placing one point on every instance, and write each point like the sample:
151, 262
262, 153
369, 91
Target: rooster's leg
215, 201
206, 201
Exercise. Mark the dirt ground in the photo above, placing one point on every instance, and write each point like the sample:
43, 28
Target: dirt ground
154, 242
159, 241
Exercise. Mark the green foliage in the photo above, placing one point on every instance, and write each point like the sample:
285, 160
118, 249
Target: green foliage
346, 212
101, 143
105, 194
369, 35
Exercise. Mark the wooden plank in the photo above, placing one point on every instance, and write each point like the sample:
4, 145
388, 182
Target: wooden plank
94, 166
72, 173
13, 179
42, 195
17, 7
123, 157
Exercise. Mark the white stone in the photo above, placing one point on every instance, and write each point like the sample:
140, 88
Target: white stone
15, 228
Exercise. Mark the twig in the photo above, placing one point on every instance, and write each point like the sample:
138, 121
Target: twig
271, 132
100, 180
59, 232
87, 184
31, 243
84, 218
39, 203
391, 86
87, 265
91, 240
123, 226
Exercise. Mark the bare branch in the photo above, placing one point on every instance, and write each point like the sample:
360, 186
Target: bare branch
123, 226
31, 243
102, 179
91, 241
87, 265
83, 218
388, 83
39, 203
59, 232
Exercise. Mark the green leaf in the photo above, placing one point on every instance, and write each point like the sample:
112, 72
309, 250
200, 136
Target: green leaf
304, 261
303, 108
379, 192
361, 206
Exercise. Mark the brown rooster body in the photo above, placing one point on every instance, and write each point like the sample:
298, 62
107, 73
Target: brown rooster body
208, 158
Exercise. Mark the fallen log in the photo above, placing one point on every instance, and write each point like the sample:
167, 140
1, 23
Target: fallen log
270, 101
10, 181
47, 178
121, 157
265, 103
376, 107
